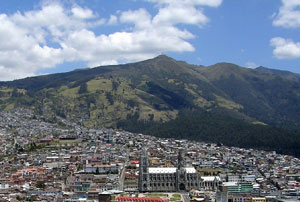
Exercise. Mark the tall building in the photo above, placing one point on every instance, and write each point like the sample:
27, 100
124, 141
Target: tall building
238, 187
222, 194
168, 179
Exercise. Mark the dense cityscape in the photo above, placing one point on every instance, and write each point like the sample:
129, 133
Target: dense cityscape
42, 161
150, 101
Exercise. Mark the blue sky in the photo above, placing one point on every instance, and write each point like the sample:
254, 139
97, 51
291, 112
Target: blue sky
41, 37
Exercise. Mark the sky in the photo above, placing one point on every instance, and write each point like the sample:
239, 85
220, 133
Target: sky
52, 36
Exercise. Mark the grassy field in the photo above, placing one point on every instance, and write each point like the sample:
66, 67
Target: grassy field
130, 181
222, 102
99, 84
68, 92
176, 197
156, 195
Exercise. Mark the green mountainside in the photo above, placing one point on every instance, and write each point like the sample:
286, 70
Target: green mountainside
286, 74
164, 97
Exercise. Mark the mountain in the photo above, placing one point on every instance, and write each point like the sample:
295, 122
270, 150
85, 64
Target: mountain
164, 97
286, 74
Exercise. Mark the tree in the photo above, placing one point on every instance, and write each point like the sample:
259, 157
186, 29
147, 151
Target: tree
97, 171
40, 184
15, 93
79, 167
83, 88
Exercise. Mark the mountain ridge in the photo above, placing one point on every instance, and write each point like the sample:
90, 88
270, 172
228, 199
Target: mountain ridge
283, 73
214, 78
156, 92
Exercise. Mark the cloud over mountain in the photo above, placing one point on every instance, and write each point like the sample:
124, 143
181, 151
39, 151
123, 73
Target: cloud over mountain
57, 33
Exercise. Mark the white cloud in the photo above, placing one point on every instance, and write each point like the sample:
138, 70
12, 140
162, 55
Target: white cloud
289, 14
113, 20
140, 18
211, 3
251, 65
54, 34
27, 40
82, 13
183, 11
285, 48
287, 17
175, 15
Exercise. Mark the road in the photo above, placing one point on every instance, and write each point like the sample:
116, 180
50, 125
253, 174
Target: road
185, 197
122, 175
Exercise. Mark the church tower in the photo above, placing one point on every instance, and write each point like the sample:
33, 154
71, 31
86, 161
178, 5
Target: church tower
181, 177
143, 172
181, 161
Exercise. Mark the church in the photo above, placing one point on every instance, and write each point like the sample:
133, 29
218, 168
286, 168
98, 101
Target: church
173, 179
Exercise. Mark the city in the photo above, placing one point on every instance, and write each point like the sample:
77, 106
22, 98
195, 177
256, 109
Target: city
150, 101
41, 161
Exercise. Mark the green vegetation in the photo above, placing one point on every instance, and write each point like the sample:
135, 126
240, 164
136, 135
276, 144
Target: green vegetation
83, 88
176, 197
130, 181
168, 98
33, 147
156, 195
212, 127
40, 184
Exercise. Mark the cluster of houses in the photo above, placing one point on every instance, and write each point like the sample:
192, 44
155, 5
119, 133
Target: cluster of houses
42, 161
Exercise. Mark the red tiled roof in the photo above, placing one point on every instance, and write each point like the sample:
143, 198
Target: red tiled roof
124, 198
